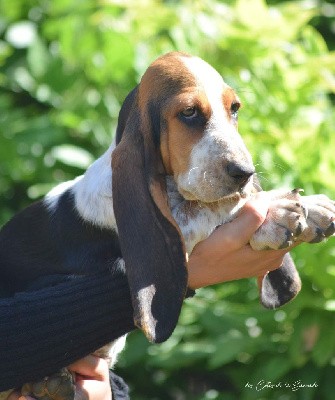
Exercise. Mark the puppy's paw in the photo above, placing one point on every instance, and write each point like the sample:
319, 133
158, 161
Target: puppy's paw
320, 218
294, 218
284, 223
59, 386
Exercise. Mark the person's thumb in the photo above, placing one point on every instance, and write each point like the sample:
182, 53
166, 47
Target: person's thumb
238, 232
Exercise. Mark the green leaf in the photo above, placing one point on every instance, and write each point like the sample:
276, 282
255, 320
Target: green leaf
72, 155
38, 58
227, 349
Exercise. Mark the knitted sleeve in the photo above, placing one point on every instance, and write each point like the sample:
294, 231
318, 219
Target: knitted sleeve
45, 330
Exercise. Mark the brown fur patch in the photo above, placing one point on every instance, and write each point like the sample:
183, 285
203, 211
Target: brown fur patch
170, 85
229, 97
165, 77
176, 146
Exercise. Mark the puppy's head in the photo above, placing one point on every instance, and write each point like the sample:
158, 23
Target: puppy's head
194, 113
181, 120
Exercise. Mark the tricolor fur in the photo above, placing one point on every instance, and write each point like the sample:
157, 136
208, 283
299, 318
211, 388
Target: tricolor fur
179, 169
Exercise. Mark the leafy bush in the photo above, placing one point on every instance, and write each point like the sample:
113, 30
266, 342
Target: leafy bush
66, 66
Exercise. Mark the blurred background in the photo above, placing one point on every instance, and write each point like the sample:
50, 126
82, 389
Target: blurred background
65, 68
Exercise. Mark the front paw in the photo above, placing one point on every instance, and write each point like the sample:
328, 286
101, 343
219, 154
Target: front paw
284, 223
320, 218
59, 386
293, 218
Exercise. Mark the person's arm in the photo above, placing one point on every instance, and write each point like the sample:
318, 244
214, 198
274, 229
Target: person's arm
45, 330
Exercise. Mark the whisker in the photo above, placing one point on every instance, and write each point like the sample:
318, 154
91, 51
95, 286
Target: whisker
257, 186
262, 177
280, 167
188, 175
239, 90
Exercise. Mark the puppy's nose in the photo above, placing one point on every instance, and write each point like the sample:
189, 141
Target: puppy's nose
240, 173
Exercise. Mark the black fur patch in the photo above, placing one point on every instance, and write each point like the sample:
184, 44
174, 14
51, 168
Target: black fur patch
154, 109
281, 285
38, 243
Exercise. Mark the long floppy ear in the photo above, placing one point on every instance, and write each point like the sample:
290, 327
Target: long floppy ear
124, 114
150, 240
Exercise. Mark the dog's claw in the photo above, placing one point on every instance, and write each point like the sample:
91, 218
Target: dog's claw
330, 230
320, 236
299, 229
288, 240
297, 191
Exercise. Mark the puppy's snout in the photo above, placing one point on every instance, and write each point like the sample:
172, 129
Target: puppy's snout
240, 173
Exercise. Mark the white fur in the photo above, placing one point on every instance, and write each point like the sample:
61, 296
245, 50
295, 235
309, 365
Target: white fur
196, 221
269, 295
111, 350
51, 199
92, 193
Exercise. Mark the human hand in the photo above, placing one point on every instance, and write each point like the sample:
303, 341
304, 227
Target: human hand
92, 379
226, 254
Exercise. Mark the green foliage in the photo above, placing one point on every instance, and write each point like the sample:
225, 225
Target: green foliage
65, 68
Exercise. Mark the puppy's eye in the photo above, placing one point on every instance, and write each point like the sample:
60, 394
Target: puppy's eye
234, 108
189, 112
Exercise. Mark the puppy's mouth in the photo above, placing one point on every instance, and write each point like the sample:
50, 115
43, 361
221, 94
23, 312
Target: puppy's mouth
210, 197
229, 197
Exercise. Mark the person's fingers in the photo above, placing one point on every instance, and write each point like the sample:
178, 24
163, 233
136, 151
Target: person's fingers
93, 390
250, 218
92, 378
91, 367
259, 263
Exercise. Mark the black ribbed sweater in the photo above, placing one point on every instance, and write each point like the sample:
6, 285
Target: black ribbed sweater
45, 330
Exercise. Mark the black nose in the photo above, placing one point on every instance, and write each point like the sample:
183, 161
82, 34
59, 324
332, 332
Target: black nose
240, 173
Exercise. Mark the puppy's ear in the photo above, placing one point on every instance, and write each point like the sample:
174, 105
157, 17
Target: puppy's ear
150, 240
124, 114
281, 285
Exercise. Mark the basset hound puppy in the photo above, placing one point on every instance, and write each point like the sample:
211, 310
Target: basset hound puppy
177, 170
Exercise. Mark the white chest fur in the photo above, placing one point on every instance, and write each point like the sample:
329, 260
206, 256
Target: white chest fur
198, 220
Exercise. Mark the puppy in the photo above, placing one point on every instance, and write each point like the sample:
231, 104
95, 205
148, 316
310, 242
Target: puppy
177, 170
